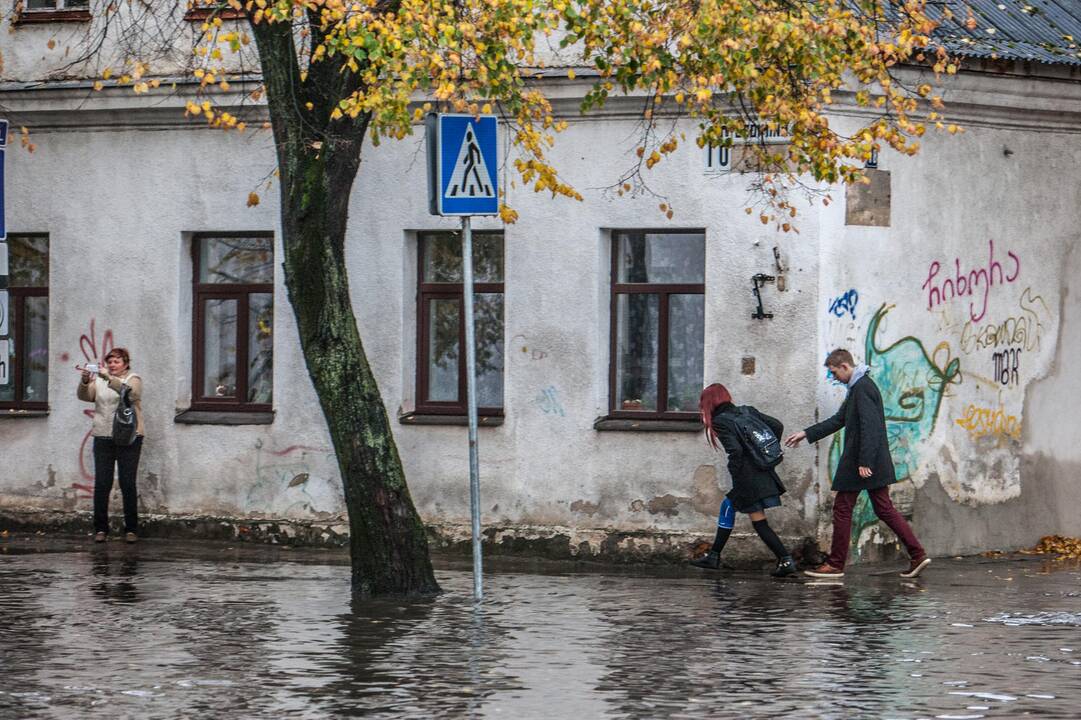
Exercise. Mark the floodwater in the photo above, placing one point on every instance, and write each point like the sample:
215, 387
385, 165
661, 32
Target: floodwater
119, 632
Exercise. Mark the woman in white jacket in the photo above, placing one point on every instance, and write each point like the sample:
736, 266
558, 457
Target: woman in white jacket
103, 389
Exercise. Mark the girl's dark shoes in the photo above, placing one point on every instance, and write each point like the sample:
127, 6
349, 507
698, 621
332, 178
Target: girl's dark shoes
709, 561
785, 568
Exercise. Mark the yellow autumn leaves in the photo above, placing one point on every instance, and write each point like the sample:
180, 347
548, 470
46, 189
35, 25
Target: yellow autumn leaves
737, 67
1064, 547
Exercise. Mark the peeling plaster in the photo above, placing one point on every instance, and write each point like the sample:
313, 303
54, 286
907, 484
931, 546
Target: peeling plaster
585, 507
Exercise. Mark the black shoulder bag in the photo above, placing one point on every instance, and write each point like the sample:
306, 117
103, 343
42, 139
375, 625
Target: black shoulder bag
124, 420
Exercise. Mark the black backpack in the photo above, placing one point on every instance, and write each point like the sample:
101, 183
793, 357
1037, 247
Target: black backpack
757, 439
124, 419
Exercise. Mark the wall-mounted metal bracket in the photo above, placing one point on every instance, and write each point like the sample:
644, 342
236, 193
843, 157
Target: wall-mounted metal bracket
759, 280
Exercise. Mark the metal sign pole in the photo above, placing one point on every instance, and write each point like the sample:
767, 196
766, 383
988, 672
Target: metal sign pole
471, 400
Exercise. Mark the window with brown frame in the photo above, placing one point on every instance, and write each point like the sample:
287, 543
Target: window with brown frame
658, 323
207, 9
33, 11
233, 321
441, 323
25, 329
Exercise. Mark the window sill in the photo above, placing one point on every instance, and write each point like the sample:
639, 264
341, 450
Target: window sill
223, 417
605, 423
16, 414
203, 14
30, 17
433, 419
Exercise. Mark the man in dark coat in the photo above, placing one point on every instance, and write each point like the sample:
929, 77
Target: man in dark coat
865, 465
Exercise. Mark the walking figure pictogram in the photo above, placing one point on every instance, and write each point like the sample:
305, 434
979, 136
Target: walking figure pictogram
470, 177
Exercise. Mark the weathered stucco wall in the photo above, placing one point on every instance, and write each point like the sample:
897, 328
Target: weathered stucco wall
963, 309
991, 451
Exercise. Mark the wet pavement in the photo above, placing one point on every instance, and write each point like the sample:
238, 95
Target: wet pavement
163, 631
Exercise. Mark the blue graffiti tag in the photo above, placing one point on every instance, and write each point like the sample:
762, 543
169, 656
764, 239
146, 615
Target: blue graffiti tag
548, 401
845, 304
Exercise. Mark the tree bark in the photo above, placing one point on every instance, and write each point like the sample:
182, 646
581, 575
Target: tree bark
318, 161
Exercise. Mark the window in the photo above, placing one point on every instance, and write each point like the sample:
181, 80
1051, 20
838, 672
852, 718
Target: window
27, 324
658, 323
441, 323
56, 4
233, 322
54, 11
207, 9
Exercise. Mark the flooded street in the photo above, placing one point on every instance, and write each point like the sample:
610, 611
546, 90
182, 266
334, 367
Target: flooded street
119, 632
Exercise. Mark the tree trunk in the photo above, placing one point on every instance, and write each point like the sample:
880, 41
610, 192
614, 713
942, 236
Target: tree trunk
317, 167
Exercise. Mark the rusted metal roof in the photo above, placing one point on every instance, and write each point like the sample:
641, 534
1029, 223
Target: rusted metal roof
1043, 31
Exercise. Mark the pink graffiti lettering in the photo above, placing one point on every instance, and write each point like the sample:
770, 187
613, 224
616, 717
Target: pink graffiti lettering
966, 284
88, 345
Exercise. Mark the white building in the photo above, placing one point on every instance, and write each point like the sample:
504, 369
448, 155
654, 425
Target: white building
954, 274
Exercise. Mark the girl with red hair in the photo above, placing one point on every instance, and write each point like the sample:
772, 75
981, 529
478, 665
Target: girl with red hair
751, 441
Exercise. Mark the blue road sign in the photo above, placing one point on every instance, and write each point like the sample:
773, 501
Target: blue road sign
3, 144
465, 176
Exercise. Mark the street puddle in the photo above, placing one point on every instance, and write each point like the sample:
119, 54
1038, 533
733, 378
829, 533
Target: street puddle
1042, 618
115, 635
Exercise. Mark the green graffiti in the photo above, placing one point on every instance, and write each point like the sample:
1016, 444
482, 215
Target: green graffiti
913, 383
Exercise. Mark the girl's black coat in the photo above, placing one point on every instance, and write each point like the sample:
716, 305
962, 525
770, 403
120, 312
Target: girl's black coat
866, 443
750, 483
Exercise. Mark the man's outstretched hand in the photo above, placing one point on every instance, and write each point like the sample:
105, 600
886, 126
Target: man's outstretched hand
794, 439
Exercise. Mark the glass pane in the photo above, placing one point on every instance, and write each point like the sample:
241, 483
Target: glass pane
260, 347
686, 351
28, 260
7, 390
236, 260
443, 257
488, 315
35, 355
636, 351
661, 258
219, 348
443, 350
42, 4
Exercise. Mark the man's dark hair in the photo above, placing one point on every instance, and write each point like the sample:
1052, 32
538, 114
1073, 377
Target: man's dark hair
838, 357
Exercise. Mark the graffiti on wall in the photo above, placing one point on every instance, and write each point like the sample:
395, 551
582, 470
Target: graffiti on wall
1022, 328
989, 315
845, 304
974, 282
295, 481
913, 383
92, 351
548, 402
981, 422
1007, 365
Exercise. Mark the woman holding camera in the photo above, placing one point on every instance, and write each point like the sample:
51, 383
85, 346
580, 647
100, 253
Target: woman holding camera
103, 386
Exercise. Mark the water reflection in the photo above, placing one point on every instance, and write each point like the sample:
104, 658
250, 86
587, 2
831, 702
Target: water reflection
118, 632
390, 659
115, 576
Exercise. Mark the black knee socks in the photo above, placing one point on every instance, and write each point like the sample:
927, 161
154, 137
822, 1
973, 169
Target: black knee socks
770, 538
720, 540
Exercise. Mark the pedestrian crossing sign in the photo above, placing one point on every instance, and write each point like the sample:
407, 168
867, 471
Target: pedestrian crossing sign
463, 175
